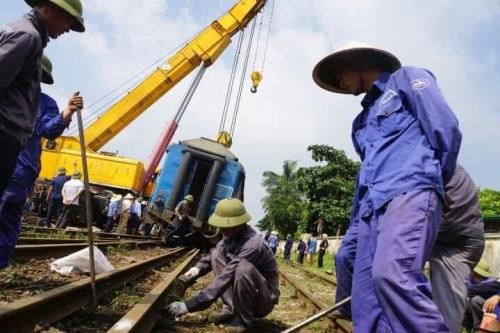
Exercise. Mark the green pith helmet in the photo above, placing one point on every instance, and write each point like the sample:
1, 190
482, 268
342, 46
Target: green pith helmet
229, 213
61, 171
483, 268
76, 175
72, 7
189, 197
47, 70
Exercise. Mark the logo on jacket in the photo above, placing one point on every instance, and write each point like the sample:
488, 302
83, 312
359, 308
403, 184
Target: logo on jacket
389, 94
419, 84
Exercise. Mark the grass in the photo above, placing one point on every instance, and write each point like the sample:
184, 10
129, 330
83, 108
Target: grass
125, 298
328, 262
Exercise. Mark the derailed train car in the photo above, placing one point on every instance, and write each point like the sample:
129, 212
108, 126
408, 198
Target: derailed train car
203, 168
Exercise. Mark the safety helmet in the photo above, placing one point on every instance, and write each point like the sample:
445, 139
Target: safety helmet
229, 213
482, 268
129, 196
61, 171
189, 197
47, 70
355, 53
76, 175
72, 7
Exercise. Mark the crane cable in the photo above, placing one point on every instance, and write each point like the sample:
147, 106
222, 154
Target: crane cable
231, 82
242, 79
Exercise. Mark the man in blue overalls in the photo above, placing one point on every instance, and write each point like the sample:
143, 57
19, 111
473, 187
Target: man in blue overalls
408, 140
50, 124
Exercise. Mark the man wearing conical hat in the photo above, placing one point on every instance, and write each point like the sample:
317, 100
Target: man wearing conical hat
408, 140
50, 124
21, 47
246, 273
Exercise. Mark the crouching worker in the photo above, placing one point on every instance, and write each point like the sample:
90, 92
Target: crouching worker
246, 273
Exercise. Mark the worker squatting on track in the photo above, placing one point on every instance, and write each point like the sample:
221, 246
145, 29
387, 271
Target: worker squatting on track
21, 48
50, 124
408, 141
245, 269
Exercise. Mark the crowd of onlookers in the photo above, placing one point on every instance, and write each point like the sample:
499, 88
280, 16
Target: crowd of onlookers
60, 203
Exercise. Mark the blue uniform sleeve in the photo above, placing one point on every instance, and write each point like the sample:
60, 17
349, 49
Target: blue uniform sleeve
222, 281
440, 126
50, 125
14, 50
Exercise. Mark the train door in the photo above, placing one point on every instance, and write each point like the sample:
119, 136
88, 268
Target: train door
197, 180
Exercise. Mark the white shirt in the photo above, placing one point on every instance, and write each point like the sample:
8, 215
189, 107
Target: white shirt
126, 205
137, 209
70, 190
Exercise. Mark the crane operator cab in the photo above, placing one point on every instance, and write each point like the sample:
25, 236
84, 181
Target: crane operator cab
202, 168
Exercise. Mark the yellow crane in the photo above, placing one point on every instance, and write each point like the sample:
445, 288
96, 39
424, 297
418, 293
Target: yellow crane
115, 172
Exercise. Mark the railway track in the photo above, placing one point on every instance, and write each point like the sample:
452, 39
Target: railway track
322, 277
33, 230
337, 326
36, 312
48, 250
143, 316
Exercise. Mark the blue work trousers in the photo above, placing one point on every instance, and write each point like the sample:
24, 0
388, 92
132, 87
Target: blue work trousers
11, 210
390, 291
344, 266
54, 210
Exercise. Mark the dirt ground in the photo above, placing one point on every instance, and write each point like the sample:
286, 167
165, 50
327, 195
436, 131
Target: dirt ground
31, 277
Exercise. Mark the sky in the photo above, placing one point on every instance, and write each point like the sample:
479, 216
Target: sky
458, 42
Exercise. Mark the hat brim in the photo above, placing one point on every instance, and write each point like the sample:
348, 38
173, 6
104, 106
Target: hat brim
326, 70
47, 78
482, 272
228, 222
78, 25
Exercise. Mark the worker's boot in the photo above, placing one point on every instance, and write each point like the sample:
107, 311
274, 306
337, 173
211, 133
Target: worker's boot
222, 317
236, 325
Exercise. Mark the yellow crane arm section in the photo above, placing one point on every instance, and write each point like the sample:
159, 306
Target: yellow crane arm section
206, 47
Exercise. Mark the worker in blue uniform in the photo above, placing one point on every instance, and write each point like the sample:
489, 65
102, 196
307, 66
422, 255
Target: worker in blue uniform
50, 125
54, 196
408, 140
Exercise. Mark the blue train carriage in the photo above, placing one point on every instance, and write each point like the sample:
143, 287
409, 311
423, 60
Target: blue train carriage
203, 168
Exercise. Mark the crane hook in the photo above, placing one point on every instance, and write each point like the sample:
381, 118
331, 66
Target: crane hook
256, 78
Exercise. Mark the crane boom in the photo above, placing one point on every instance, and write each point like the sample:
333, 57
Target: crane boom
205, 47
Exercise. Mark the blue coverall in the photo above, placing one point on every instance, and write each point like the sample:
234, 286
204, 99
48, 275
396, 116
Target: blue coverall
408, 140
49, 125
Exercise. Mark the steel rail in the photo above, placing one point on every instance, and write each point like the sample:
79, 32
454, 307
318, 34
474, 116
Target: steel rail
35, 240
55, 250
319, 276
98, 234
317, 303
144, 315
28, 314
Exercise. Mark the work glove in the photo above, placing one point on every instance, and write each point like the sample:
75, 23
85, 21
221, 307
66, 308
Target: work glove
192, 273
177, 309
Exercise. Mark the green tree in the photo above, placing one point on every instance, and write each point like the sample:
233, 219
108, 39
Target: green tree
328, 187
284, 203
489, 201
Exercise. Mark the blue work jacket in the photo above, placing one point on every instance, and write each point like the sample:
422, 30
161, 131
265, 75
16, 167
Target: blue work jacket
49, 125
406, 136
